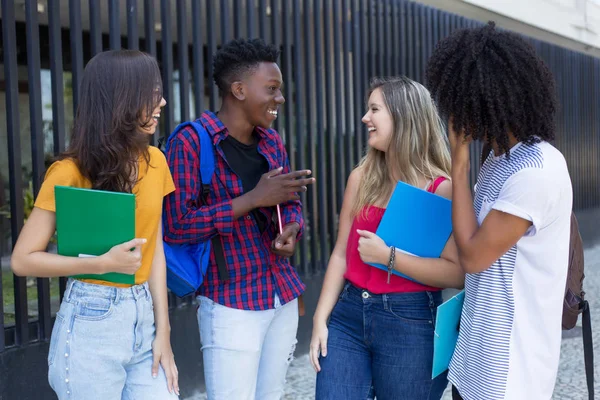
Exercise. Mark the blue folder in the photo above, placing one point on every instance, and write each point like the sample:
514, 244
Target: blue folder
446, 332
415, 222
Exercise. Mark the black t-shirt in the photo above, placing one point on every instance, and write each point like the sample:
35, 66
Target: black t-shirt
249, 165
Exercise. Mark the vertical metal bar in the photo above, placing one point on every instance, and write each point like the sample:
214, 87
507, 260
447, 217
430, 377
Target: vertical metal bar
410, 40
388, 27
596, 119
262, 19
339, 111
150, 39
167, 64
430, 27
425, 38
184, 76
35, 95
405, 43
330, 144
114, 24
238, 11
14, 161
349, 125
56, 79
380, 38
372, 54
275, 38
225, 37
37, 143
275, 23
212, 49
95, 27
287, 77
76, 48
308, 142
418, 38
250, 18
359, 83
198, 55
320, 149
133, 38
299, 117
56, 75
364, 29
395, 38
596, 122
447, 25
150, 42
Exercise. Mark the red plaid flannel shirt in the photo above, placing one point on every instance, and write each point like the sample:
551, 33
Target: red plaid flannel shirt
256, 274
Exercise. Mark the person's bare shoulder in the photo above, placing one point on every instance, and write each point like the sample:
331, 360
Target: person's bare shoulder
445, 189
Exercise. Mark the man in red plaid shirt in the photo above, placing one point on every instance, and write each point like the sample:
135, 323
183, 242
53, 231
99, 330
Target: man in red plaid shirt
248, 322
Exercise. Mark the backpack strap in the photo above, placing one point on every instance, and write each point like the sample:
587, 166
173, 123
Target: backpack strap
588, 349
207, 170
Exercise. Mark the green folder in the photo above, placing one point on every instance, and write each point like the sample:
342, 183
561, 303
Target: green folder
90, 222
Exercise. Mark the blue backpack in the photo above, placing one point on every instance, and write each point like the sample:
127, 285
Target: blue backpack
187, 263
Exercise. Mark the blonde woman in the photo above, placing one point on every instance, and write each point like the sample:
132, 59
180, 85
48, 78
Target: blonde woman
370, 337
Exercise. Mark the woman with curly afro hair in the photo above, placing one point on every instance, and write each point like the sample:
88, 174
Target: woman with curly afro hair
513, 239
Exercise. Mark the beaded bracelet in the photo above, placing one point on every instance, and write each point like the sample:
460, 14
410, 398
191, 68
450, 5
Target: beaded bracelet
391, 262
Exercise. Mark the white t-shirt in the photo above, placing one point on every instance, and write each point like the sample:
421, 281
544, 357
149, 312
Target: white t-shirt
510, 329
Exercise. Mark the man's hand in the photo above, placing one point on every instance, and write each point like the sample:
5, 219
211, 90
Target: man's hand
285, 243
276, 188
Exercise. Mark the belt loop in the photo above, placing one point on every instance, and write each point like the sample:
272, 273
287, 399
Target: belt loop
431, 302
384, 297
69, 289
116, 295
147, 289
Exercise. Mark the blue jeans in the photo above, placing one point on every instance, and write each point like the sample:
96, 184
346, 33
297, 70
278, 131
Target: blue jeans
380, 345
101, 345
246, 353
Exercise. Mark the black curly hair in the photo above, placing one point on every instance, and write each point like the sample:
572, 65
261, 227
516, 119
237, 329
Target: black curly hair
239, 57
491, 82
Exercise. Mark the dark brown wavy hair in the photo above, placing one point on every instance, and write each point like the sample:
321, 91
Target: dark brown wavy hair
119, 91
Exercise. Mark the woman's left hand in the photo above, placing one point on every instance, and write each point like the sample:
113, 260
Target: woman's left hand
372, 248
163, 355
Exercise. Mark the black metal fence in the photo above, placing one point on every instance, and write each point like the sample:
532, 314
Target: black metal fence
330, 49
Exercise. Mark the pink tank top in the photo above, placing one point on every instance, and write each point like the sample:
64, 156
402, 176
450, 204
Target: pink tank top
370, 278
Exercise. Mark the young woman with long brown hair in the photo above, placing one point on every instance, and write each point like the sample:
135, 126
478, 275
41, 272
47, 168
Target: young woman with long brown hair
109, 341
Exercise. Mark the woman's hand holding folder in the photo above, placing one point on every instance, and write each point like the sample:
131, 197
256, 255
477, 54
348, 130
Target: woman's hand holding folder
125, 258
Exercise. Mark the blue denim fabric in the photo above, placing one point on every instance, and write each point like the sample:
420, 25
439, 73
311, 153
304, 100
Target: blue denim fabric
380, 345
101, 345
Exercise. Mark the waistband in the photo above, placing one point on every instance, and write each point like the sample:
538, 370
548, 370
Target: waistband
77, 288
404, 297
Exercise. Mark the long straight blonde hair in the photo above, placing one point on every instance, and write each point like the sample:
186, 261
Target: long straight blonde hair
418, 146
